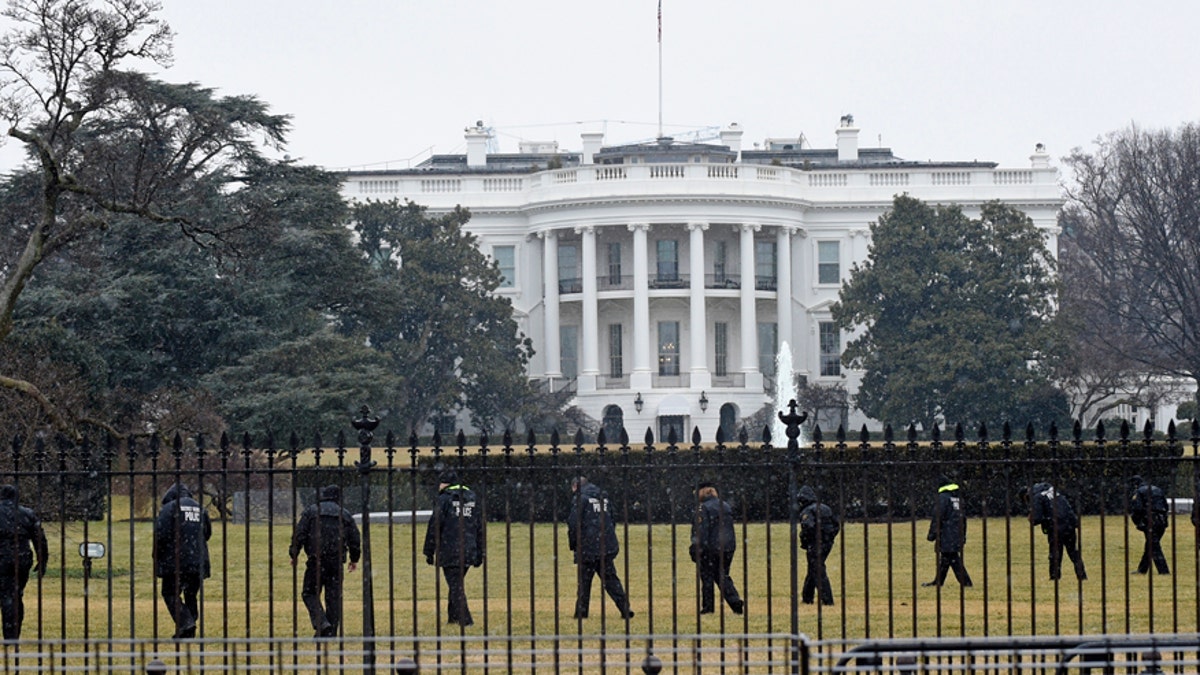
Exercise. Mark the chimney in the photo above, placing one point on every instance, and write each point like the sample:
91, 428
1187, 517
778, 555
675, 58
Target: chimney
847, 140
477, 139
592, 142
732, 139
1040, 159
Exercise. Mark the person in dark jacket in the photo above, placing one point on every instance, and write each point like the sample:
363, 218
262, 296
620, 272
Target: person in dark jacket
1052, 511
818, 528
454, 542
326, 533
592, 535
949, 530
713, 544
1148, 510
19, 529
181, 534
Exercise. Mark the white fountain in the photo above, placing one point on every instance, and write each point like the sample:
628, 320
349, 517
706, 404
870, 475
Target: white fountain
785, 390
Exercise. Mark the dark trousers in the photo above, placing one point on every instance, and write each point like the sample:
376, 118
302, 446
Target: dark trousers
948, 560
457, 610
184, 610
714, 570
323, 574
1060, 539
12, 607
816, 578
607, 571
1153, 549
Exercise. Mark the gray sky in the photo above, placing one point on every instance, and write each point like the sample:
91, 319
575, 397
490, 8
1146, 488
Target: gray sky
370, 82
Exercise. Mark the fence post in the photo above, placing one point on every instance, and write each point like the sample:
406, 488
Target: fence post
793, 422
365, 425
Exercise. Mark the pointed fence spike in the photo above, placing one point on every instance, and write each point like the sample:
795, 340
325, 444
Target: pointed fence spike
601, 437
696, 435
579, 438
1029, 433
983, 431
912, 433
1100, 430
1077, 430
888, 434
1053, 430
958, 432
649, 436
864, 436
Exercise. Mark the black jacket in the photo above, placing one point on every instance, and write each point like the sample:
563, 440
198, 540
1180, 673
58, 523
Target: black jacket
949, 525
181, 534
328, 531
1148, 502
591, 527
816, 521
20, 528
713, 530
1050, 509
455, 534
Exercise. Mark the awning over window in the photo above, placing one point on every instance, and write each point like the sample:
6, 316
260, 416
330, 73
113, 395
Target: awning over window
674, 405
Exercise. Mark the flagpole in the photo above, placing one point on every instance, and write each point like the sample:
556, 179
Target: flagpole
660, 78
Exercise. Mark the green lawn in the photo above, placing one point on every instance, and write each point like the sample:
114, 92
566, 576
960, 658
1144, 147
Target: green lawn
876, 588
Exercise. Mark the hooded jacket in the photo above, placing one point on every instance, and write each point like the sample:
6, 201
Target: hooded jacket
591, 527
19, 528
949, 525
181, 534
1050, 509
454, 537
327, 531
816, 521
713, 532
1148, 508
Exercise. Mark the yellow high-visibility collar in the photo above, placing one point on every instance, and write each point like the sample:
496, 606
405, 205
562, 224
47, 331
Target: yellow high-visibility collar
947, 488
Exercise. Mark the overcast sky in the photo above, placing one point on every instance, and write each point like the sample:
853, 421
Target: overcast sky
389, 81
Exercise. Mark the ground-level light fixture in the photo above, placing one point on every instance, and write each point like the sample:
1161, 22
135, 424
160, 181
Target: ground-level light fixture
89, 551
703, 402
638, 402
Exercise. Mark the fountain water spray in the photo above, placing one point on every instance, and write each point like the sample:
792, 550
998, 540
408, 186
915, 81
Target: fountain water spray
785, 390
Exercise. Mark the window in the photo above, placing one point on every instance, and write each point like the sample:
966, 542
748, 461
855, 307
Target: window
616, 366
720, 256
568, 269
568, 337
506, 260
445, 424
668, 260
614, 264
829, 268
668, 347
831, 349
768, 345
721, 349
764, 265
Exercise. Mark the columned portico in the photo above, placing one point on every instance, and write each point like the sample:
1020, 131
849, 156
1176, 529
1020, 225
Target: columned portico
590, 334
749, 313
550, 284
701, 376
640, 378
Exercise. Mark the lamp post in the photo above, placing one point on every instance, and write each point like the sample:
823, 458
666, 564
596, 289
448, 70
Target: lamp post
793, 419
365, 425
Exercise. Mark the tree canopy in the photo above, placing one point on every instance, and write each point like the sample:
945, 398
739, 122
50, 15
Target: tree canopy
953, 318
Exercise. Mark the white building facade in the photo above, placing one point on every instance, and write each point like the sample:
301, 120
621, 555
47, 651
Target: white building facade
660, 280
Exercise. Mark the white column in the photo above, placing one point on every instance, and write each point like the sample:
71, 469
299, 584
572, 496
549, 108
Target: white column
591, 330
749, 317
701, 376
783, 286
550, 302
639, 378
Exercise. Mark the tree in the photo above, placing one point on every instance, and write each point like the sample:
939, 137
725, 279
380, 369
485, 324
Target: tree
105, 142
452, 338
1131, 238
955, 317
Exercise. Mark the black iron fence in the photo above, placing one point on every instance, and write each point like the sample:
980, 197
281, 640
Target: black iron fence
881, 490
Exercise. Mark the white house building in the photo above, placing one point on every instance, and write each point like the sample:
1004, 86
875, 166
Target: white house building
659, 280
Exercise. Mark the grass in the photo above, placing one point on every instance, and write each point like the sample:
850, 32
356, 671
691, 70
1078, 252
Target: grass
528, 584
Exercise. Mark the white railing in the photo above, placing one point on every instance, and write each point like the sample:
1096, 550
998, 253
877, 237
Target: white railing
828, 179
503, 184
888, 179
1013, 177
429, 185
951, 178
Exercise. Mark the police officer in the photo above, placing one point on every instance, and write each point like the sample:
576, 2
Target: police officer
1052, 511
454, 542
949, 530
181, 534
592, 535
713, 545
1148, 510
19, 527
326, 532
818, 528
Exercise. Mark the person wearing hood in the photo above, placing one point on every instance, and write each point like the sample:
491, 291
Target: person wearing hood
713, 544
326, 533
818, 528
1052, 511
592, 536
1148, 511
20, 529
454, 542
181, 533
948, 530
